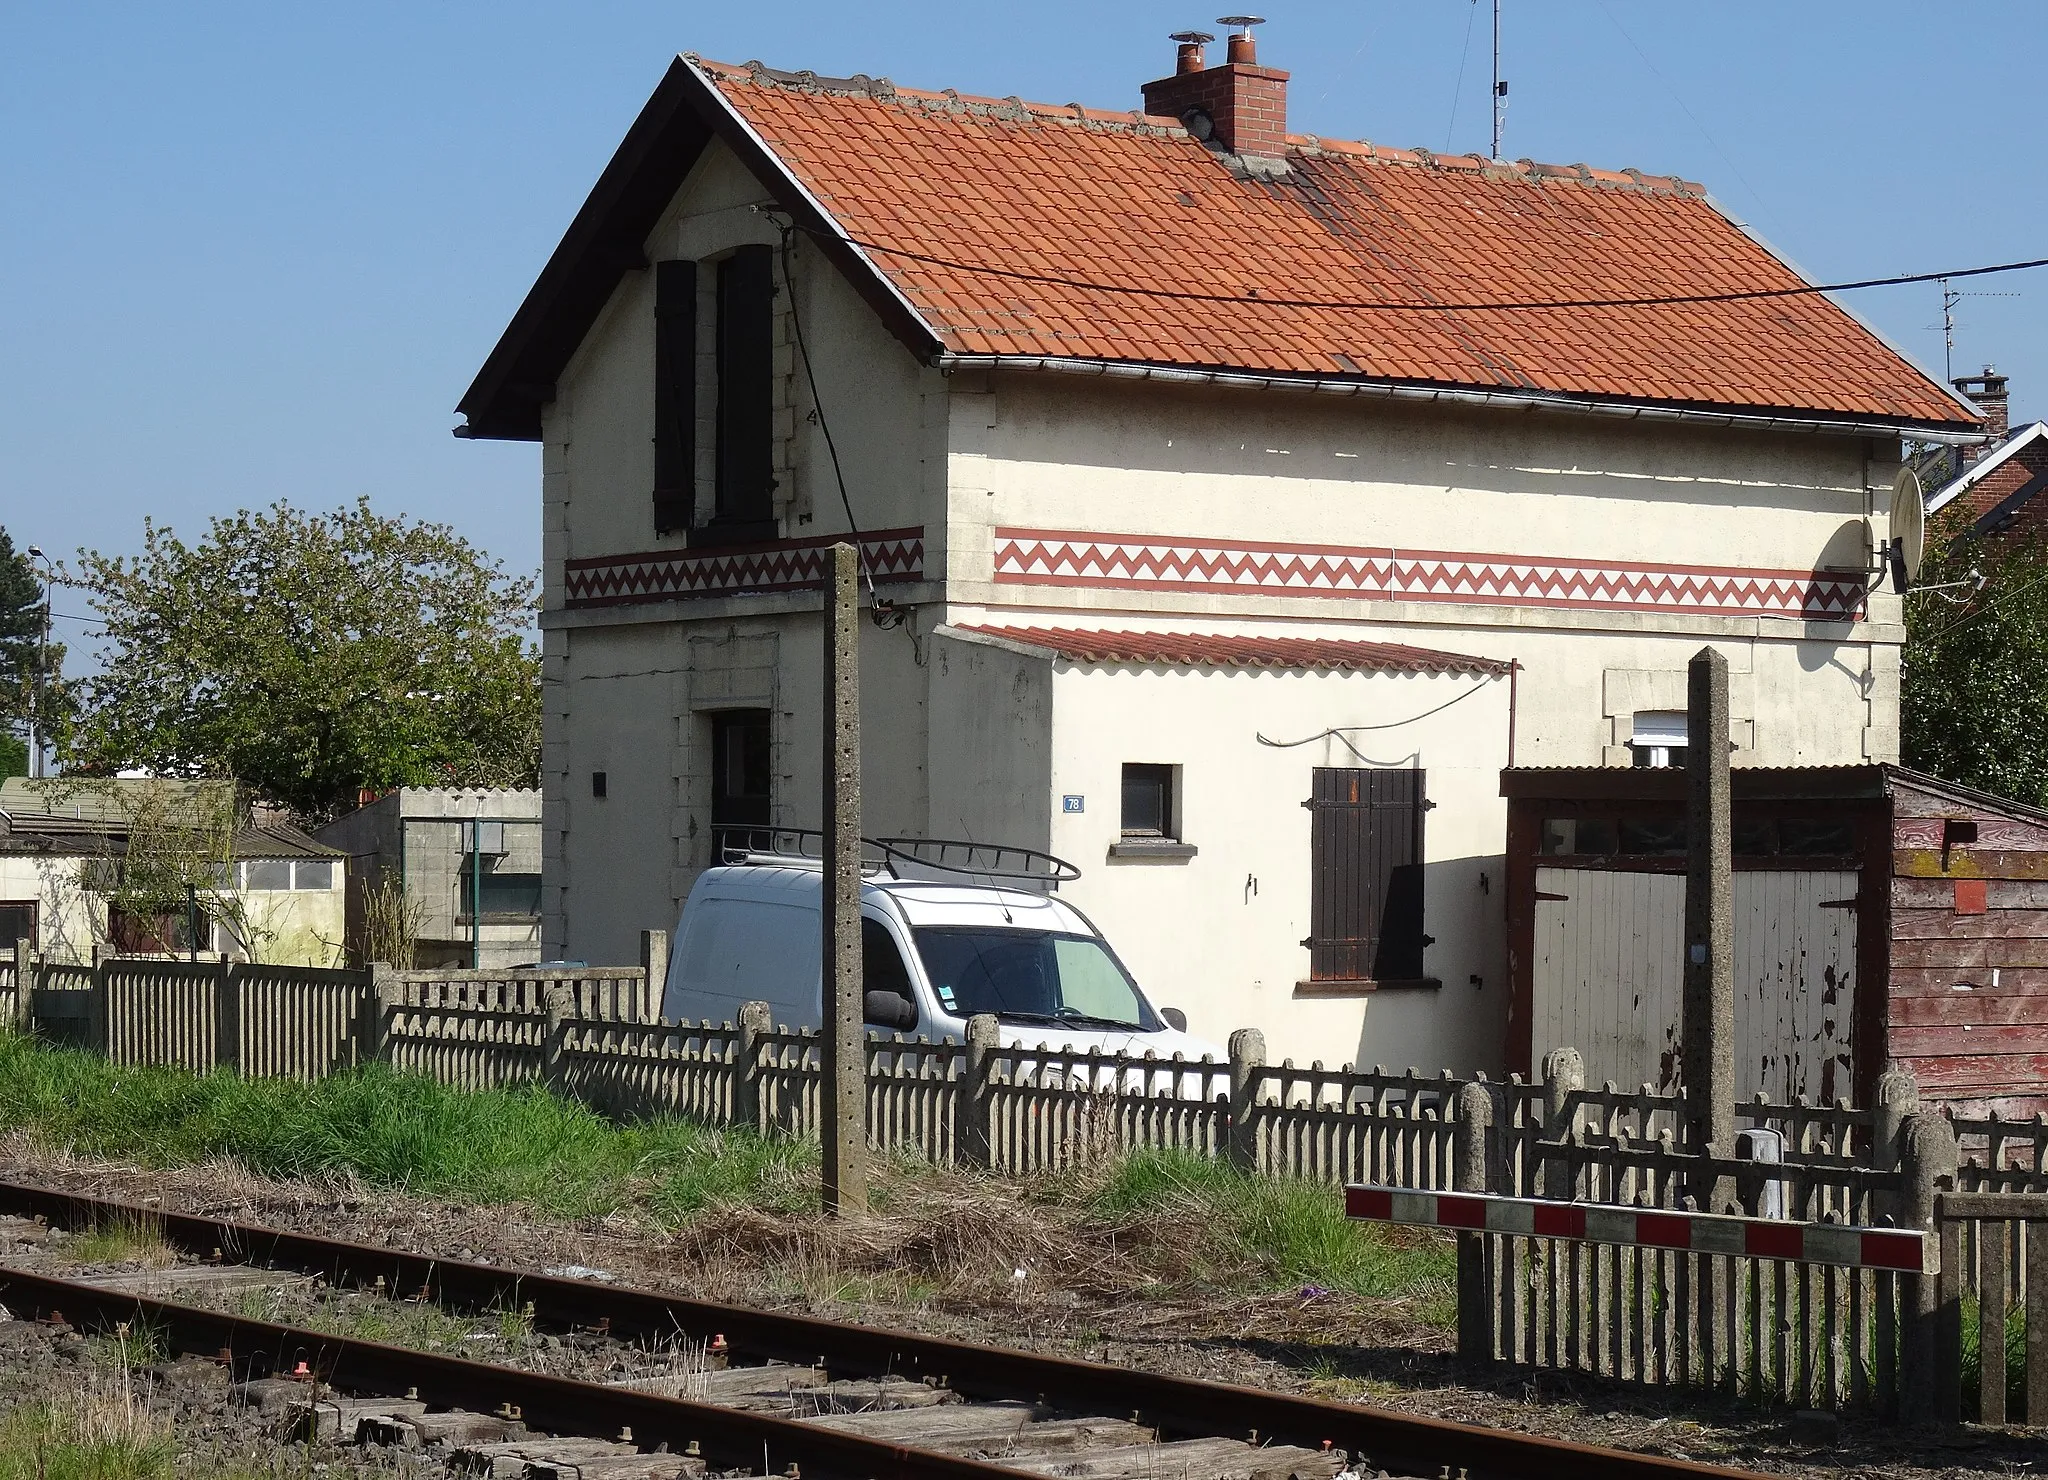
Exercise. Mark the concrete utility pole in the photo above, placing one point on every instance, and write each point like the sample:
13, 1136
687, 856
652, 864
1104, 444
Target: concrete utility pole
844, 1101
1709, 1019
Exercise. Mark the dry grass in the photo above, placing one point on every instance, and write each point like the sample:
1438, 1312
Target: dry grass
128, 1241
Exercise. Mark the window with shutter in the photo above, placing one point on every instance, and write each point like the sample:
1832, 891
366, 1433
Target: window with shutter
1365, 893
746, 396
675, 395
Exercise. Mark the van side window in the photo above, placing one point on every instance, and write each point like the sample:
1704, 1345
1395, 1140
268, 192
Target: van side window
881, 963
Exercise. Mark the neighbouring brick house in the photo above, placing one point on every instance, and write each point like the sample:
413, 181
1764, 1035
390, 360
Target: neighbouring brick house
1996, 489
1237, 504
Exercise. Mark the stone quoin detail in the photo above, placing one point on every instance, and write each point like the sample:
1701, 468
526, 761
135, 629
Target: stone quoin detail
891, 555
1066, 558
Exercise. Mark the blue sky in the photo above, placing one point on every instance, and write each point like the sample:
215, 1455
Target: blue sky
251, 251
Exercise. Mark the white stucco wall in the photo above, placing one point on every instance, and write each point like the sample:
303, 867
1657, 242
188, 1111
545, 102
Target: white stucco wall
1219, 934
968, 739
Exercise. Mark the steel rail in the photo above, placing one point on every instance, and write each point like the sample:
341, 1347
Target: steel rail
727, 1437
1402, 1443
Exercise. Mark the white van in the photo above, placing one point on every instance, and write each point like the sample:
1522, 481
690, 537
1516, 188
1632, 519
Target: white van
934, 953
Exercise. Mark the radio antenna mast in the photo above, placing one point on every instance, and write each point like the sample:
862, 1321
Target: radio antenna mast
1500, 88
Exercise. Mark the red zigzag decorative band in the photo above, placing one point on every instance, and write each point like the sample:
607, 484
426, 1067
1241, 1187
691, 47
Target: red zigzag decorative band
891, 556
1067, 558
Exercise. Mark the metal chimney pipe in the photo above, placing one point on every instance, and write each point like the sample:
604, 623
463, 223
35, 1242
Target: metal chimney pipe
1243, 51
1191, 58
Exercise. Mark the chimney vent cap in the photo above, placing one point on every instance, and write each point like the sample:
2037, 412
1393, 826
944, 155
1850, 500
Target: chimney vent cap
1242, 24
1191, 38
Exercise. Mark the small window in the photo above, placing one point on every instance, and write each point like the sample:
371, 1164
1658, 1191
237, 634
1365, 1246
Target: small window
1652, 837
1148, 802
1754, 838
313, 874
515, 895
1580, 837
1813, 836
597, 783
267, 875
1659, 738
17, 922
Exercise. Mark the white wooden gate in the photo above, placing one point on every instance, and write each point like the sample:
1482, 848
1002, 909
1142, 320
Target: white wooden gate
1609, 975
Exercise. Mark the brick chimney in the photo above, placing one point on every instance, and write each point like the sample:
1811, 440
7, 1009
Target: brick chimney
1239, 107
1989, 392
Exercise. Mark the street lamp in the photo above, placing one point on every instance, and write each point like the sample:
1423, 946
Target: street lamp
35, 720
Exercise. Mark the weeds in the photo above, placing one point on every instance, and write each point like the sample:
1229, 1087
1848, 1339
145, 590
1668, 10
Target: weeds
519, 1145
1148, 1226
1293, 1233
126, 1240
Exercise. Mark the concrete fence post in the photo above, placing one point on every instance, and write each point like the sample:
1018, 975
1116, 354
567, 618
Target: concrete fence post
24, 987
1564, 1075
1474, 1110
381, 1004
1247, 1063
558, 1001
654, 963
227, 1016
975, 1136
1707, 1017
1898, 1098
1931, 1341
757, 1021
843, 1086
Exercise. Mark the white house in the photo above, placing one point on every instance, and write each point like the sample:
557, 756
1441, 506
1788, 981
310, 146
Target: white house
1236, 505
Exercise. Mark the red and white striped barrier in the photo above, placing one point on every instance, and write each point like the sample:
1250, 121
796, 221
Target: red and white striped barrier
1899, 1249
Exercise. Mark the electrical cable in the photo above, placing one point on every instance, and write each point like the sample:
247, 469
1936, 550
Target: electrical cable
1458, 88
824, 425
1185, 295
1342, 730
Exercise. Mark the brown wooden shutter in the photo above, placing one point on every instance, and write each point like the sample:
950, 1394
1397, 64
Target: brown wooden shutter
1365, 891
675, 395
746, 393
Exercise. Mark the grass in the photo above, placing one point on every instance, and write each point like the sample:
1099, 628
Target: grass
1148, 1225
1284, 1232
395, 1130
123, 1241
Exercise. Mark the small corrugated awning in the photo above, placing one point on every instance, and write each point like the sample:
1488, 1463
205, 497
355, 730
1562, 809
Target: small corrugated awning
1220, 650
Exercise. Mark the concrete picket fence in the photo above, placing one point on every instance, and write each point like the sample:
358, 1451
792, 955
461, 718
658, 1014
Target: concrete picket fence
1806, 1335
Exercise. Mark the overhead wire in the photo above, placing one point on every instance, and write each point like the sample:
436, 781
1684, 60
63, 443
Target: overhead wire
1339, 731
824, 423
1254, 296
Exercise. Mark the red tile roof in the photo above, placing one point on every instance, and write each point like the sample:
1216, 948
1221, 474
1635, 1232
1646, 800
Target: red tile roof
1216, 650
992, 187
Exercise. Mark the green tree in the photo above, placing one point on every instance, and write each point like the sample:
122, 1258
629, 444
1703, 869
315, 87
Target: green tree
1974, 694
21, 639
307, 655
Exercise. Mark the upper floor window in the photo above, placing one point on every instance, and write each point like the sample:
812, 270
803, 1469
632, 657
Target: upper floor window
1659, 738
738, 402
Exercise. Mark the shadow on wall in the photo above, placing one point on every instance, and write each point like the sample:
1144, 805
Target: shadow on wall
1460, 1025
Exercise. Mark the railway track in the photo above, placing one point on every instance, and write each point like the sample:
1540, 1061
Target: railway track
772, 1391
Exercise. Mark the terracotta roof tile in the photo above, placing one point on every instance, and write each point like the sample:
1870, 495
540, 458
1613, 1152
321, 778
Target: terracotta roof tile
1093, 195
1218, 650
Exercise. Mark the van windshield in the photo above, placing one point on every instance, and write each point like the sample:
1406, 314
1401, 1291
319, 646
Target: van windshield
1031, 976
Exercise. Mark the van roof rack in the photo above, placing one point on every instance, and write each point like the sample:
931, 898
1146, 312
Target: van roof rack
1008, 862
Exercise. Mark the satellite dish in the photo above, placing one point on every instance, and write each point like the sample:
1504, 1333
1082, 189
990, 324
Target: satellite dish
1909, 529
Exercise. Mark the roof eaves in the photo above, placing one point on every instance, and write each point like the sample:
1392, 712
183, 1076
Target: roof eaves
1762, 419
2026, 436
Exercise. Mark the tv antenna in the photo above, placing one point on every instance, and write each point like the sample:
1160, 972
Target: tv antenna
1500, 88
1950, 297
